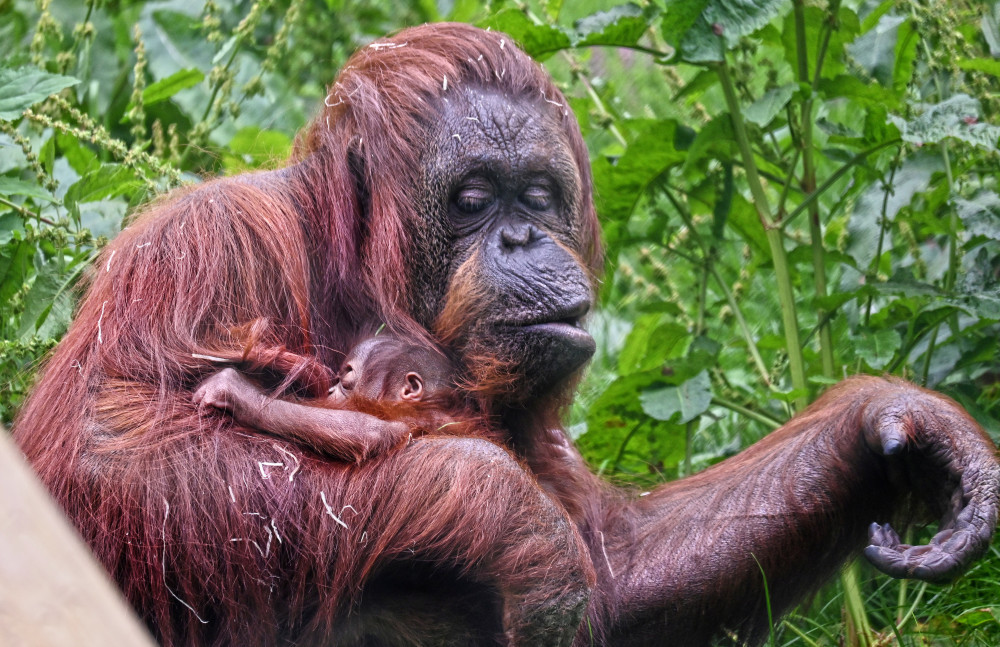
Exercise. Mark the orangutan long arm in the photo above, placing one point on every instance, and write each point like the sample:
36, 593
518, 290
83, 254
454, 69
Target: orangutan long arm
694, 554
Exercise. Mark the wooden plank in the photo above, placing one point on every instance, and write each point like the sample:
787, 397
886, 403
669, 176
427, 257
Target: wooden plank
52, 590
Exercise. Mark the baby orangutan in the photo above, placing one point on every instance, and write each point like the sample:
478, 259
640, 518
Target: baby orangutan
387, 391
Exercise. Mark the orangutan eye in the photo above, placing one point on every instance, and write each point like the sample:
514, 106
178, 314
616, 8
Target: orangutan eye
474, 198
537, 197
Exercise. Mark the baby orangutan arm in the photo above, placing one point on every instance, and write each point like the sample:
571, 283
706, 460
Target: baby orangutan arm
347, 435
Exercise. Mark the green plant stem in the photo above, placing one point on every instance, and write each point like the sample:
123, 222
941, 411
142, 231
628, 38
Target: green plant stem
787, 184
786, 296
912, 341
27, 213
767, 599
596, 99
211, 100
689, 428
856, 613
762, 418
855, 605
839, 173
724, 288
903, 586
913, 607
872, 275
809, 183
801, 634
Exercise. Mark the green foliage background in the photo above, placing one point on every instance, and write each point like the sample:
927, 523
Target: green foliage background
791, 192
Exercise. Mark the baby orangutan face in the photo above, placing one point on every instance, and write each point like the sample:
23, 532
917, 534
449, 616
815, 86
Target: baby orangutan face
386, 368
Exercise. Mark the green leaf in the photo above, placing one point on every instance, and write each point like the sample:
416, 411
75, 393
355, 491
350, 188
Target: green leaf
875, 50
252, 147
15, 259
851, 87
877, 348
108, 181
956, 117
47, 305
905, 55
24, 87
764, 109
981, 215
622, 26
817, 23
80, 158
12, 186
690, 400
537, 40
620, 186
679, 17
617, 427
168, 87
693, 28
987, 65
745, 221
653, 339
9, 224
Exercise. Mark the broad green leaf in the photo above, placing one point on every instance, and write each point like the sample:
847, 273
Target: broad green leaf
745, 221
617, 426
702, 81
105, 182
981, 214
622, 26
15, 259
715, 141
47, 154
47, 298
956, 117
252, 147
168, 87
537, 40
865, 223
764, 109
679, 17
12, 186
986, 306
875, 50
702, 31
24, 87
79, 156
877, 348
10, 223
851, 87
620, 186
653, 339
690, 400
876, 14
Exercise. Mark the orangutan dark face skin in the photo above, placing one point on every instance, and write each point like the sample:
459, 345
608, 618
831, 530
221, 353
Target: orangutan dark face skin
508, 189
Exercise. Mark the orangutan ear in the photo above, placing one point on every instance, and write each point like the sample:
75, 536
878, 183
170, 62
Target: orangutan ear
413, 387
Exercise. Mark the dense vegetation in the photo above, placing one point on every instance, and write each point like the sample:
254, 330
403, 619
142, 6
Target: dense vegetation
791, 192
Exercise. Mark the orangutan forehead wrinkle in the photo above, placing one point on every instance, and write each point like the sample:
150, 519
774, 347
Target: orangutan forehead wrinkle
504, 135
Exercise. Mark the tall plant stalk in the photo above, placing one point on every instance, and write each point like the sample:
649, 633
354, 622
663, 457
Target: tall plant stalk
859, 626
779, 258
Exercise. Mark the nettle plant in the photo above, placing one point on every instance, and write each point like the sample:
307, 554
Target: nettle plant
791, 192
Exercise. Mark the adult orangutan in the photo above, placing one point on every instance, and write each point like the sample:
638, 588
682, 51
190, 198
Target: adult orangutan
445, 187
